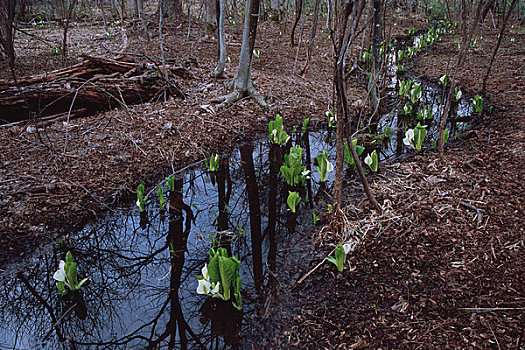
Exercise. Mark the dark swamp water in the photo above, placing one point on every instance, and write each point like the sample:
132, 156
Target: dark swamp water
141, 292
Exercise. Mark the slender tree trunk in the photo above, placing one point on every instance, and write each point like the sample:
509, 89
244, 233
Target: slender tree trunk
344, 38
312, 37
219, 71
298, 11
7, 34
376, 42
211, 17
242, 82
495, 51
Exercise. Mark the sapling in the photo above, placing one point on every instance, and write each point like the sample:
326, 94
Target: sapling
293, 200
141, 200
66, 275
325, 167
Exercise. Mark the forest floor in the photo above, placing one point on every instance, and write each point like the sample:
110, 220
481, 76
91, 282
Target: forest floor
443, 267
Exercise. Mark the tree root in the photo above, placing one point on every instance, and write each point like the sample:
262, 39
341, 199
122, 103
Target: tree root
237, 94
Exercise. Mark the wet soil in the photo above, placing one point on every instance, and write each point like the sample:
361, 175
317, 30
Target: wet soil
442, 268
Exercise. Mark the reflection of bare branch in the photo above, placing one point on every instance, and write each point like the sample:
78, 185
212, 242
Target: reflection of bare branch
44, 303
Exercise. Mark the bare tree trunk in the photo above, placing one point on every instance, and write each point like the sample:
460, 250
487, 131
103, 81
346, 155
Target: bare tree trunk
7, 33
312, 37
67, 12
495, 51
219, 71
211, 17
276, 10
341, 47
171, 8
298, 10
376, 42
242, 82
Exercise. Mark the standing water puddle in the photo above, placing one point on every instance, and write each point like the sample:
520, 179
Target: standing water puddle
142, 283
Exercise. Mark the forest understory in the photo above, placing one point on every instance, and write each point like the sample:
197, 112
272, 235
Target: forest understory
442, 268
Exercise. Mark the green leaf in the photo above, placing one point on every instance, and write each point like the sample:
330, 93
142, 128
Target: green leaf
332, 260
228, 271
61, 288
420, 133
213, 268
293, 200
375, 161
340, 257
71, 274
445, 136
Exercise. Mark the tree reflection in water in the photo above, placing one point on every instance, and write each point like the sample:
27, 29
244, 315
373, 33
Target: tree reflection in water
141, 292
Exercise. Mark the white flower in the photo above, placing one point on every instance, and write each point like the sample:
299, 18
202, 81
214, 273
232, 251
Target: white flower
368, 160
458, 95
443, 79
329, 167
205, 274
409, 137
306, 172
215, 290
138, 203
347, 247
60, 274
204, 287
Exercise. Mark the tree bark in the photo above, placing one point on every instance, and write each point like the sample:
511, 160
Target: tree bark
211, 17
242, 83
7, 32
344, 39
219, 71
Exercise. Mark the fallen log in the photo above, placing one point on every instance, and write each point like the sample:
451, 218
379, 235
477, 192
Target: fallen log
96, 84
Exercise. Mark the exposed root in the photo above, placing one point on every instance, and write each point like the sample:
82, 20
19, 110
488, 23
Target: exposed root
236, 95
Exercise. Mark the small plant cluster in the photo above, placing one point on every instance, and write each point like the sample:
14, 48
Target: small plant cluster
277, 133
410, 94
66, 275
293, 171
414, 137
221, 276
341, 251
